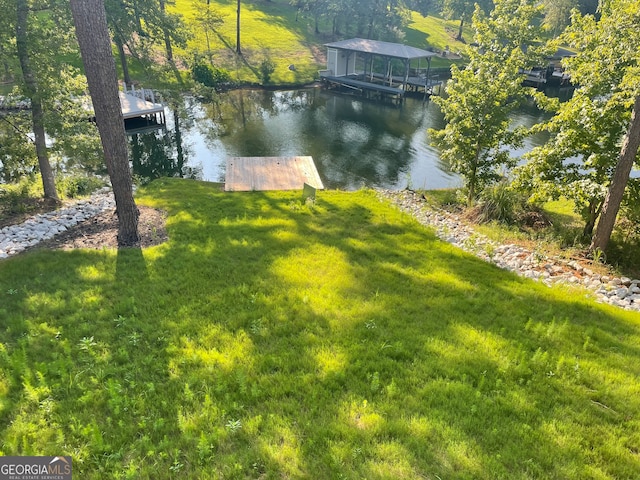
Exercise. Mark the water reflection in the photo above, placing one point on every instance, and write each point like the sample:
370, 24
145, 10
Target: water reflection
160, 153
354, 143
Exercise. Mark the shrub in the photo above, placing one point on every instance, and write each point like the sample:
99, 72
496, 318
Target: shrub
19, 197
77, 185
209, 76
629, 219
267, 67
500, 203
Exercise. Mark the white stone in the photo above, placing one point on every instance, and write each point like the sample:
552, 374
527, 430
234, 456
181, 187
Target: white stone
622, 292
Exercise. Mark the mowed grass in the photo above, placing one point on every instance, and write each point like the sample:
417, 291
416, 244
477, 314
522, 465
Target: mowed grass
268, 30
274, 339
272, 29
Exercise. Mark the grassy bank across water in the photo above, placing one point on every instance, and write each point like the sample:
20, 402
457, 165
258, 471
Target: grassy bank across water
275, 30
270, 338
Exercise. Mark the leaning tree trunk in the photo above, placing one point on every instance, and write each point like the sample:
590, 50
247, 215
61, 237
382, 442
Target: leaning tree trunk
165, 32
123, 59
33, 92
95, 47
619, 182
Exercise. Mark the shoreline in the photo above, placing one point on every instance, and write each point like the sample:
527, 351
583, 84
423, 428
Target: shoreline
622, 292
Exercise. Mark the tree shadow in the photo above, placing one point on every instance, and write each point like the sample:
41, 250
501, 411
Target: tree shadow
269, 337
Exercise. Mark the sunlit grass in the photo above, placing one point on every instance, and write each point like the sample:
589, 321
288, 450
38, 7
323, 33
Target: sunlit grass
270, 338
268, 30
274, 30
436, 32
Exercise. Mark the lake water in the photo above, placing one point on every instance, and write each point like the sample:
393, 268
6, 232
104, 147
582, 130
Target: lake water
354, 142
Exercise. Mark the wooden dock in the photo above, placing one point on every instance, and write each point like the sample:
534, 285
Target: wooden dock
244, 174
133, 107
363, 87
377, 85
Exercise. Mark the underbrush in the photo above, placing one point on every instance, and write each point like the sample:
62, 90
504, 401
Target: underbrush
24, 198
505, 216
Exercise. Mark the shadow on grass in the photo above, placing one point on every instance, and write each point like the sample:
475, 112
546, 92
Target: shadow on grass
269, 339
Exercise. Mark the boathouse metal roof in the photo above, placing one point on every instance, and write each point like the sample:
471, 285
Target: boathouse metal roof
377, 47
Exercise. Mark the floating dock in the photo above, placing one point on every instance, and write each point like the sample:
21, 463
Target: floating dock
245, 174
372, 86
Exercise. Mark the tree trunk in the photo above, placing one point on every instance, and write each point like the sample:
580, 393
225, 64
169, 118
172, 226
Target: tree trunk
95, 47
138, 17
595, 207
238, 49
459, 37
33, 92
473, 178
614, 196
123, 60
165, 31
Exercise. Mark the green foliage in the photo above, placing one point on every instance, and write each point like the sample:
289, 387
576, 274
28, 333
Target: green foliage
264, 341
480, 98
17, 155
500, 203
18, 197
582, 153
267, 67
78, 185
209, 76
629, 224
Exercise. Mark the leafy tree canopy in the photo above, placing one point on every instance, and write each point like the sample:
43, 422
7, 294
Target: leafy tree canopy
480, 97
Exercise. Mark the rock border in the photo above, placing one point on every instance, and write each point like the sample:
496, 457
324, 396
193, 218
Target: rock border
621, 292
17, 238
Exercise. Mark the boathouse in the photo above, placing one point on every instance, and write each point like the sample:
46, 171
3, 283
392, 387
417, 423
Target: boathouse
376, 68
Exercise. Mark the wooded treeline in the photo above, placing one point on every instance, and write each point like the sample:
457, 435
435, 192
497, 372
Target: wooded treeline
385, 18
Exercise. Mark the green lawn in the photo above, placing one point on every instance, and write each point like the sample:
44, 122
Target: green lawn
273, 339
270, 29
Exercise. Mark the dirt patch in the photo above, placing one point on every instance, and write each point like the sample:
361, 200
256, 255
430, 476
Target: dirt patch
319, 54
11, 214
101, 231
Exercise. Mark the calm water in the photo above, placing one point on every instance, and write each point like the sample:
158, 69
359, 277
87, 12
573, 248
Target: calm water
354, 142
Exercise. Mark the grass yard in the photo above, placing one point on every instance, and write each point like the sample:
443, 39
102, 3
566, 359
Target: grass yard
268, 30
273, 339
271, 29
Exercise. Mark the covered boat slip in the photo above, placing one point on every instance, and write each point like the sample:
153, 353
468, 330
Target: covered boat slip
368, 66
